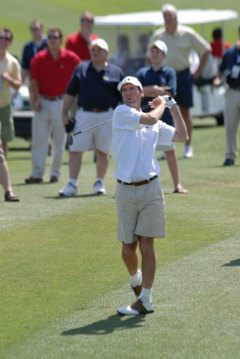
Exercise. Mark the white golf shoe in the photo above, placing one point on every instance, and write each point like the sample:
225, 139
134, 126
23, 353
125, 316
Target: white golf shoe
69, 190
99, 188
137, 308
188, 151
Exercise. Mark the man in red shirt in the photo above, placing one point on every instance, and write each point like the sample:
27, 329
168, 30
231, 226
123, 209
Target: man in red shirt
51, 70
218, 45
79, 42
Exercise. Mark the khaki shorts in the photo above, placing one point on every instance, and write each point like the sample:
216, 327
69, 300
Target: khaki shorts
99, 138
7, 132
141, 211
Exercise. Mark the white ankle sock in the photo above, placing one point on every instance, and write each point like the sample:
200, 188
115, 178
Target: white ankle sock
146, 296
136, 279
73, 181
100, 179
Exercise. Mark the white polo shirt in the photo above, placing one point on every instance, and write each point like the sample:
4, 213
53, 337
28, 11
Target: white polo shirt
134, 144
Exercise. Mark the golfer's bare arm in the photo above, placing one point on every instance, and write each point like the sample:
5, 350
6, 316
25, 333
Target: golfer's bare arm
181, 134
67, 102
153, 116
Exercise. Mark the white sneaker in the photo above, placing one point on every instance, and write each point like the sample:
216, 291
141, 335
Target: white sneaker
69, 190
188, 151
99, 188
136, 308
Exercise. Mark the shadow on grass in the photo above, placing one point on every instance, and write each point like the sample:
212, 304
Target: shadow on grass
234, 263
107, 326
72, 197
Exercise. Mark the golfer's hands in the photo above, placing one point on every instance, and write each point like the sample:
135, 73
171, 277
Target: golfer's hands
157, 101
169, 101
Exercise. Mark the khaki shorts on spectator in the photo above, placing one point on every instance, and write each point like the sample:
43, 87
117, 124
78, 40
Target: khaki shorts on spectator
99, 138
7, 131
141, 211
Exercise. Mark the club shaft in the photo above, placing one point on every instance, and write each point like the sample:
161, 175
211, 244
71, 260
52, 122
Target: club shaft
92, 127
100, 124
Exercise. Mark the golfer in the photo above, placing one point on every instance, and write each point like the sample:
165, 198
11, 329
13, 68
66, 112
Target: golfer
139, 197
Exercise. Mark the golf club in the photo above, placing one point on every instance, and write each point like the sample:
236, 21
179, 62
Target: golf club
95, 126
87, 129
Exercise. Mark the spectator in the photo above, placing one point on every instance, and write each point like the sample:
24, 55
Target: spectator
10, 77
38, 43
122, 57
230, 66
158, 80
79, 42
218, 45
143, 40
180, 40
95, 84
4, 177
51, 70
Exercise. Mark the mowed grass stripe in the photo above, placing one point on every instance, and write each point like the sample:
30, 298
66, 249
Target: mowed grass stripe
197, 316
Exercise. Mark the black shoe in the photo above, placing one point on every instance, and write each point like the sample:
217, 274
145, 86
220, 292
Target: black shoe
228, 162
11, 197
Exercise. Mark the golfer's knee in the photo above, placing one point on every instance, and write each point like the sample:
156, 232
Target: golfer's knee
146, 245
128, 250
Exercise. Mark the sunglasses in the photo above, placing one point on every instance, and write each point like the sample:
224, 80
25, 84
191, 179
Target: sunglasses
5, 38
84, 19
50, 37
35, 29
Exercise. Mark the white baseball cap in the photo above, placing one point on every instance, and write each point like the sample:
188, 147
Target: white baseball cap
160, 45
101, 43
129, 80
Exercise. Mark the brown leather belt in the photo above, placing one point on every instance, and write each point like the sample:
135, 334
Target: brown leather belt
146, 181
96, 110
49, 98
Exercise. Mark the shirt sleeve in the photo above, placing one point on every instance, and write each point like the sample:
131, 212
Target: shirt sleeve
199, 44
126, 118
73, 86
165, 134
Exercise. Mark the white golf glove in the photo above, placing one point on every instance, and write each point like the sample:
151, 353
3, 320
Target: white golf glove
169, 101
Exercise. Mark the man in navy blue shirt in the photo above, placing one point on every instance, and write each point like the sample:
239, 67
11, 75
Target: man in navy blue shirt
95, 84
231, 67
38, 42
159, 80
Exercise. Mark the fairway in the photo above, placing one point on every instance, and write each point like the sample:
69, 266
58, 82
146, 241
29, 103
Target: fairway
62, 278
61, 273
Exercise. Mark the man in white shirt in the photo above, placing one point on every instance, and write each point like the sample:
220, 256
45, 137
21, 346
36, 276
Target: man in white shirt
139, 197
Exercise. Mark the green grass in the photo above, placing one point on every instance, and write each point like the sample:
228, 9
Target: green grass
61, 274
61, 270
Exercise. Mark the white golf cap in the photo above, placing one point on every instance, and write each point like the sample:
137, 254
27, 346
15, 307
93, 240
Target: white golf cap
100, 43
160, 45
129, 80
169, 7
